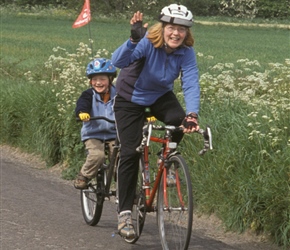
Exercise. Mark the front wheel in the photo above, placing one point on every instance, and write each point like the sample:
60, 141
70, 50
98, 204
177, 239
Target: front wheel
175, 205
92, 200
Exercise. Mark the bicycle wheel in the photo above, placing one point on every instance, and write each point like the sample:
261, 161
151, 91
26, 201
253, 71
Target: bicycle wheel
175, 220
92, 200
139, 207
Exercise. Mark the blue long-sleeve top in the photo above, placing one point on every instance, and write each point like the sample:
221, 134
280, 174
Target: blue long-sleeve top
147, 73
90, 102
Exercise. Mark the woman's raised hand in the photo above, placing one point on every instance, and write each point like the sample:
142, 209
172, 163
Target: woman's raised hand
138, 30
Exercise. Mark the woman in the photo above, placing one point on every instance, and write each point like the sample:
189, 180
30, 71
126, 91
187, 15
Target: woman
149, 65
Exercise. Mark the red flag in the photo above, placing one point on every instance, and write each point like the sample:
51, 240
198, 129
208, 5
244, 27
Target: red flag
84, 17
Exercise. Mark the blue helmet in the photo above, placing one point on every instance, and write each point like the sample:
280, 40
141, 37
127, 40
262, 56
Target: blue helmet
101, 66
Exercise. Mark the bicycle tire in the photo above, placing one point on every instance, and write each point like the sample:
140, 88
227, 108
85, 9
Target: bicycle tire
175, 222
139, 206
92, 200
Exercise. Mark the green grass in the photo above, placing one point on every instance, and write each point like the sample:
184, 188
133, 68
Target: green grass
27, 41
228, 44
242, 20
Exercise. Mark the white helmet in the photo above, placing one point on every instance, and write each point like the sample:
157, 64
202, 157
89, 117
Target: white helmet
176, 14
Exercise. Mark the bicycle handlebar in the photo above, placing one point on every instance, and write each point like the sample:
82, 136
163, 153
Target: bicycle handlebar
97, 118
207, 137
206, 133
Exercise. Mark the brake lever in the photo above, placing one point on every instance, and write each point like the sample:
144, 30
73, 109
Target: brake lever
207, 135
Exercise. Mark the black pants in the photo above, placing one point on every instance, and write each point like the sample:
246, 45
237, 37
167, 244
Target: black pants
130, 120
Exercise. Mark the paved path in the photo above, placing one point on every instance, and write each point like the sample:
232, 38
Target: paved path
41, 211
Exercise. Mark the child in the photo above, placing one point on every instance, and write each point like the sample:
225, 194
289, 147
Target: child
96, 101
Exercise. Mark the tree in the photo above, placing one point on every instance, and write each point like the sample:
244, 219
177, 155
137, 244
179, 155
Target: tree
235, 8
239, 8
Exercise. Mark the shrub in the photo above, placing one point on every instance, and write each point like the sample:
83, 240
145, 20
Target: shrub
247, 181
66, 79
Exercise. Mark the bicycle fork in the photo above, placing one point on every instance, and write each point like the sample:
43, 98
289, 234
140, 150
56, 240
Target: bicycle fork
177, 186
150, 193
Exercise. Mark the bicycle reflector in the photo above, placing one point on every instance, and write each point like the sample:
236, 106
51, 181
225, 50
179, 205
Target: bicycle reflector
172, 145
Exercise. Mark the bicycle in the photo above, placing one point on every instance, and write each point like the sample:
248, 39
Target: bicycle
172, 184
100, 188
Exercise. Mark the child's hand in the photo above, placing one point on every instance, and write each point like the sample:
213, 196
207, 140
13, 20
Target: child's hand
84, 117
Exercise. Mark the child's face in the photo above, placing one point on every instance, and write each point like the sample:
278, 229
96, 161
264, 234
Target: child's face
100, 83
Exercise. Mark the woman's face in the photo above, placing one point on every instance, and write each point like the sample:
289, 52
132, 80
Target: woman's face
174, 35
100, 83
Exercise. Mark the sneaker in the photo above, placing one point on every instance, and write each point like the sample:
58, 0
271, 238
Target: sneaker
81, 182
125, 226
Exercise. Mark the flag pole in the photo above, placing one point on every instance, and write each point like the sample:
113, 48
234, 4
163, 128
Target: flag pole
83, 19
91, 40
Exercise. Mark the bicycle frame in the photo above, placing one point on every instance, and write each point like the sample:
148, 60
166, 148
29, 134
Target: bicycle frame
99, 188
168, 146
174, 202
111, 167
112, 160
150, 194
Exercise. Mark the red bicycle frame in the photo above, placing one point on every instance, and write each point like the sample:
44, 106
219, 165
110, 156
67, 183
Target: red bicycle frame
150, 193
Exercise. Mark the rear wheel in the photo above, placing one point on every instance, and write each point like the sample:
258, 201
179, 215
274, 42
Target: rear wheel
139, 208
174, 217
92, 200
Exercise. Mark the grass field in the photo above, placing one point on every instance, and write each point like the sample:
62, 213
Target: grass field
33, 38
244, 78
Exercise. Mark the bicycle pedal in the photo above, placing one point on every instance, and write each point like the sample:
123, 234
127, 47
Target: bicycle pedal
131, 237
